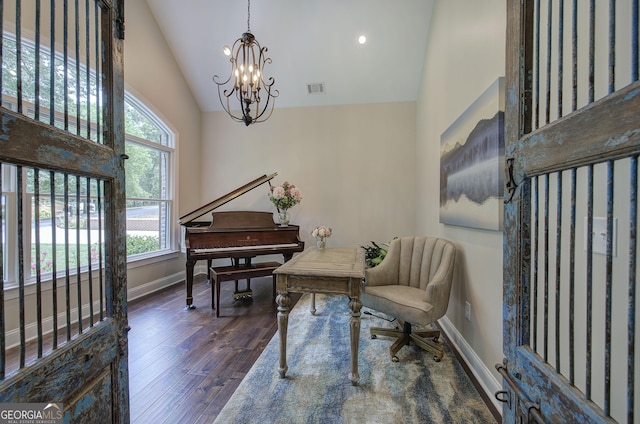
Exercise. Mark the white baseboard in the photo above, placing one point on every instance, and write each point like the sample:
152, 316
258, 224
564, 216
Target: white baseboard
162, 283
486, 380
154, 286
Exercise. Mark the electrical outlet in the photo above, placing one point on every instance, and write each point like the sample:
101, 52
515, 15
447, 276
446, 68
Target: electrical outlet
467, 311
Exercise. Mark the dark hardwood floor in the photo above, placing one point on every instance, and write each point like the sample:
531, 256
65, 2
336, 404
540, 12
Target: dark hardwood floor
184, 365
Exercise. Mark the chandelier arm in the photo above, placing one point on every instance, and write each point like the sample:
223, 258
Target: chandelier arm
266, 106
227, 107
268, 85
267, 117
221, 83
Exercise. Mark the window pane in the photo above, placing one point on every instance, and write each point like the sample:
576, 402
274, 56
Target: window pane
147, 226
79, 96
140, 125
144, 170
66, 227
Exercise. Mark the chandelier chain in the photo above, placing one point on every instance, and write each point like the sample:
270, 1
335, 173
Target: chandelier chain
248, 15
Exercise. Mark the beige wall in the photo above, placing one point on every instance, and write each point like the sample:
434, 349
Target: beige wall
353, 164
153, 76
465, 55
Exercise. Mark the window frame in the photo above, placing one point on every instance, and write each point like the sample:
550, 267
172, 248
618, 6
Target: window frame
167, 147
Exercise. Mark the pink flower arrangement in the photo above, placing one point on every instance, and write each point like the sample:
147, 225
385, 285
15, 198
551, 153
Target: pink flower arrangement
321, 232
285, 196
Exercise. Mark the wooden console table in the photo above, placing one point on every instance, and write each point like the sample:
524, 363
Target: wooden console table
329, 271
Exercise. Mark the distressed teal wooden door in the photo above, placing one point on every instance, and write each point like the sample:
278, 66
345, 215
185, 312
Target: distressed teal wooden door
570, 253
63, 335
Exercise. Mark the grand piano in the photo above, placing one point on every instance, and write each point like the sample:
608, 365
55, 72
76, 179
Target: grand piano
238, 235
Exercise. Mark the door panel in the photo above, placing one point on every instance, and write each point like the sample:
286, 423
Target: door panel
63, 335
572, 142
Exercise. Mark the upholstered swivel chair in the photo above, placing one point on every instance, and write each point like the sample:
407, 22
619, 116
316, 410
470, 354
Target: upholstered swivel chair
412, 284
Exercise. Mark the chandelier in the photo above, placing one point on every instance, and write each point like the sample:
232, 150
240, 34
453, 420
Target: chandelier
246, 82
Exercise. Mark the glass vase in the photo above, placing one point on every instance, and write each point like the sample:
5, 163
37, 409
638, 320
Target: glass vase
321, 243
283, 218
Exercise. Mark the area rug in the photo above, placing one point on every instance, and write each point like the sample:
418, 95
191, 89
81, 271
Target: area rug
317, 388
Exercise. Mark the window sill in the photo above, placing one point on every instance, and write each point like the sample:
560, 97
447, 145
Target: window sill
145, 259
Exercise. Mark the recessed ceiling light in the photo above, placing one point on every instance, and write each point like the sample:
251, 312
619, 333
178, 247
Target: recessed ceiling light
362, 39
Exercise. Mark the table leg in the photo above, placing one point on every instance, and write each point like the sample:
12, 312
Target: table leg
283, 322
313, 303
355, 306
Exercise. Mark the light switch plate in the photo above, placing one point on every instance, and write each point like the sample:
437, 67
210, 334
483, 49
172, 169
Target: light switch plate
600, 235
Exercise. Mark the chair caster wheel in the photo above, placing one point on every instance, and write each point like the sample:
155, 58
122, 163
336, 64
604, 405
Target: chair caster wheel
395, 359
373, 336
437, 358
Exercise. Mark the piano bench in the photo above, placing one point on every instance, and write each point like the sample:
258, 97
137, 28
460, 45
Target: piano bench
240, 272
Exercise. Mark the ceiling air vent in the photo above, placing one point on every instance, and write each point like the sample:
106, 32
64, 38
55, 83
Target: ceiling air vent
315, 88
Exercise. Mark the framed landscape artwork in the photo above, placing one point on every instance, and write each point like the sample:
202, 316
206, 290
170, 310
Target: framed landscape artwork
472, 164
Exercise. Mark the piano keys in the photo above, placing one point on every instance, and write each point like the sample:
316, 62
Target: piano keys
239, 248
238, 235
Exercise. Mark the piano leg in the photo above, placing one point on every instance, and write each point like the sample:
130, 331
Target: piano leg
189, 283
209, 271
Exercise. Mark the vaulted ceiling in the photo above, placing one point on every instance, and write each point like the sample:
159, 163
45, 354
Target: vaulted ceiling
309, 41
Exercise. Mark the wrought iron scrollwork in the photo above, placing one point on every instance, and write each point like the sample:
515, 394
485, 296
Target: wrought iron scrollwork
510, 184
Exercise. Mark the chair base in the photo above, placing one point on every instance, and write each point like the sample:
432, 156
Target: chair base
423, 339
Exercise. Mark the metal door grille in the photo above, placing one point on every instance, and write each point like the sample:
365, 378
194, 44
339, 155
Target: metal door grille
583, 216
576, 55
583, 308
60, 80
60, 246
53, 93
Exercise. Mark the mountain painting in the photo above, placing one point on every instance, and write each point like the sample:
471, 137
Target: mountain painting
472, 164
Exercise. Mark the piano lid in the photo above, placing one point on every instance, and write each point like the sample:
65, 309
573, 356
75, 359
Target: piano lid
195, 214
